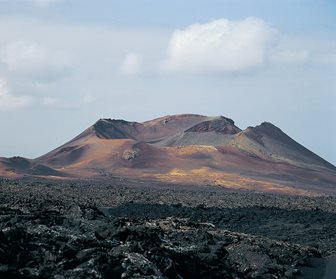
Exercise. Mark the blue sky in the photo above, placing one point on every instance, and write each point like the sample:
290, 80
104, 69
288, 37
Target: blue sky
66, 63
290, 15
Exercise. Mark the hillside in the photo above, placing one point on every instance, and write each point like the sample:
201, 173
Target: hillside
187, 149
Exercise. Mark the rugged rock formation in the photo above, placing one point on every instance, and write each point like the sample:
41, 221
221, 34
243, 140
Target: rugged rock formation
75, 229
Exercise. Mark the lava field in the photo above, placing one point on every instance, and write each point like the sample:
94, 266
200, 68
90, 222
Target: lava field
128, 229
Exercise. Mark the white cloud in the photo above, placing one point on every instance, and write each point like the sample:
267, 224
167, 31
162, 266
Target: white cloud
221, 45
34, 60
131, 64
11, 102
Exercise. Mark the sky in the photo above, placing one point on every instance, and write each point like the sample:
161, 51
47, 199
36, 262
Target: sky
64, 64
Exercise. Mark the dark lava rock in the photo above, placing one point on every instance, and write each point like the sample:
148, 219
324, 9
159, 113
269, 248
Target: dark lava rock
78, 230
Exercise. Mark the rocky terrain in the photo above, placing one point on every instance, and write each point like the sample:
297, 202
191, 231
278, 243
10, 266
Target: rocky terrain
131, 229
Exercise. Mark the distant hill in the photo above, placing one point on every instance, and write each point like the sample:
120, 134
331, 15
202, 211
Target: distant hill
187, 149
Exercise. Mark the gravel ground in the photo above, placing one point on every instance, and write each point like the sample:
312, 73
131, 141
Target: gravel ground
129, 229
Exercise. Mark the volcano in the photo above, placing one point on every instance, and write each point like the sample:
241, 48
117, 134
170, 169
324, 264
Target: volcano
185, 149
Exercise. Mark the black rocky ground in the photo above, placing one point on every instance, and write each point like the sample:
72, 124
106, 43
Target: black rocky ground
127, 229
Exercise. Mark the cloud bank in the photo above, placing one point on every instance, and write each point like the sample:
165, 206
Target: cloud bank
28, 59
227, 46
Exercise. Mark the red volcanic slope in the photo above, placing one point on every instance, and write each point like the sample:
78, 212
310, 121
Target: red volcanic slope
186, 148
